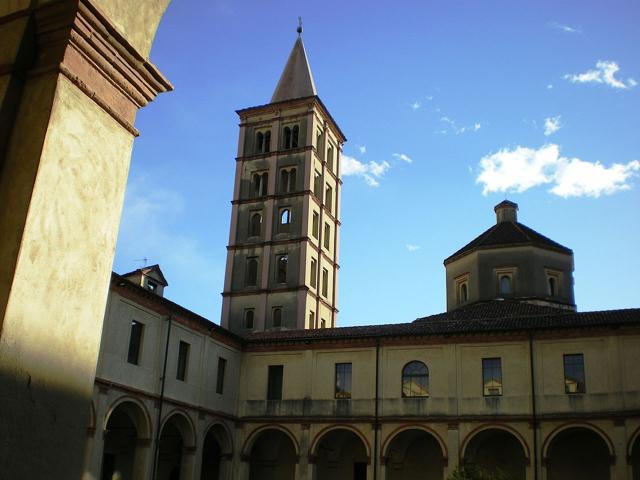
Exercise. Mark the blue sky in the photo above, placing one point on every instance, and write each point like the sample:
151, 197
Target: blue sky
449, 108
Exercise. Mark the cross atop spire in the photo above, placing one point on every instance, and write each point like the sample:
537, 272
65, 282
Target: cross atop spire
296, 80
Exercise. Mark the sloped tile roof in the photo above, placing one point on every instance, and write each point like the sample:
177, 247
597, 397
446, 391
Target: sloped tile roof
505, 234
494, 316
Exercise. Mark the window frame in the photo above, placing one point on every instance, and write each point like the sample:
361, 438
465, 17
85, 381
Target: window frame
250, 280
253, 214
280, 276
275, 381
182, 366
222, 366
313, 273
326, 241
410, 376
581, 387
315, 225
462, 280
137, 345
276, 310
511, 273
488, 375
325, 282
246, 318
343, 371
328, 197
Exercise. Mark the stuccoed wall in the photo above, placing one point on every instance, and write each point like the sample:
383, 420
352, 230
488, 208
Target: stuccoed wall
64, 158
530, 279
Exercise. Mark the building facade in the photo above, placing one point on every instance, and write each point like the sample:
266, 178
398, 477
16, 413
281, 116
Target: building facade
510, 377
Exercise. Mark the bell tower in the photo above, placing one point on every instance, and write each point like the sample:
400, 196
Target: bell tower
282, 257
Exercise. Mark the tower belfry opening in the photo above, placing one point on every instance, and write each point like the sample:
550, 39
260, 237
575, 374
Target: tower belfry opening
282, 272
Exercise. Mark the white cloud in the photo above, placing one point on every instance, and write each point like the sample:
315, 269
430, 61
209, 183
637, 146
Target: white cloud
403, 157
371, 172
564, 28
362, 149
455, 128
521, 168
552, 125
412, 248
550, 87
415, 105
429, 97
604, 72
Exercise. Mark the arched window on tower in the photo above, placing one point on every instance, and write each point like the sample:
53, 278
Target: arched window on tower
284, 180
264, 183
255, 225
259, 142
276, 320
285, 220
505, 285
248, 319
281, 268
267, 141
252, 272
259, 182
415, 380
287, 137
294, 136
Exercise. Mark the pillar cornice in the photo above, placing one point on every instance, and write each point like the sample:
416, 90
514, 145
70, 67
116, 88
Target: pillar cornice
75, 39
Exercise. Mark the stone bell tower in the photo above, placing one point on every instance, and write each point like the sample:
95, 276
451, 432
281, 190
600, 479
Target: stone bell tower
282, 258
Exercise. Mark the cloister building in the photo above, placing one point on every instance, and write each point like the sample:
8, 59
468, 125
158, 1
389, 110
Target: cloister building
512, 375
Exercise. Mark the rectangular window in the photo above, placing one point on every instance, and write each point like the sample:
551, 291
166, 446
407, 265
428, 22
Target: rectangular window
274, 383
328, 198
327, 236
323, 323
314, 273
315, 226
222, 365
318, 140
312, 319
574, 373
325, 282
317, 185
343, 380
491, 376
183, 360
135, 341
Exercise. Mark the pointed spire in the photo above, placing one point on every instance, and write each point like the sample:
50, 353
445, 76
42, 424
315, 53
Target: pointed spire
296, 80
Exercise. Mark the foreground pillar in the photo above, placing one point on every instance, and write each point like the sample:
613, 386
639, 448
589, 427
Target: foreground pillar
73, 74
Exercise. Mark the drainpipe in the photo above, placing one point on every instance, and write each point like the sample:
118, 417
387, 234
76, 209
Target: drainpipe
534, 418
375, 421
164, 376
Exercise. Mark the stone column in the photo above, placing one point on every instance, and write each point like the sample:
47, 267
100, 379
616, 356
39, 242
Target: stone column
73, 74
302, 468
453, 449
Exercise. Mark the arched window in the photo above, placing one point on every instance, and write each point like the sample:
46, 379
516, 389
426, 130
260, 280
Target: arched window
330, 157
248, 319
292, 180
277, 317
285, 217
255, 226
505, 285
252, 272
259, 142
267, 141
553, 288
464, 294
263, 184
294, 136
281, 272
287, 137
284, 180
415, 380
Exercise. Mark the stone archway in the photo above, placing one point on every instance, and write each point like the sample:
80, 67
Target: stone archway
272, 456
578, 452
497, 450
414, 454
216, 450
126, 443
340, 454
175, 449
634, 457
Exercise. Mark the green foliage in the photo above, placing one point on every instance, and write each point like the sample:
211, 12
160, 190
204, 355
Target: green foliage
476, 472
